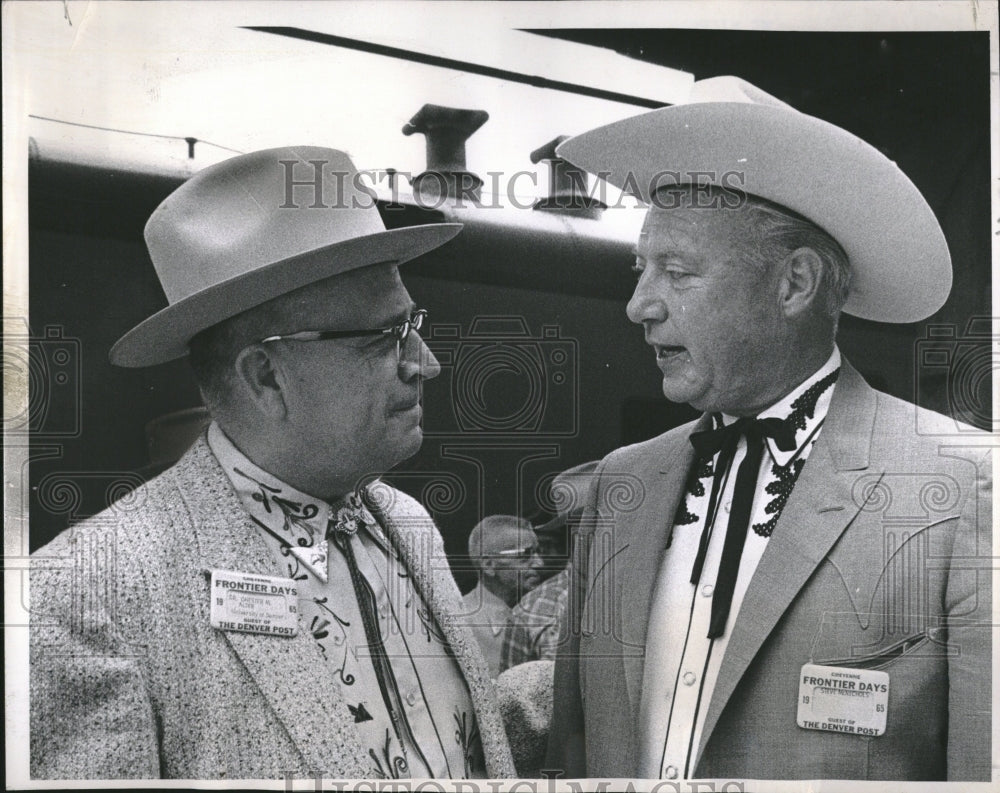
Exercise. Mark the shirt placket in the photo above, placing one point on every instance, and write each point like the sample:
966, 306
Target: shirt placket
396, 606
698, 647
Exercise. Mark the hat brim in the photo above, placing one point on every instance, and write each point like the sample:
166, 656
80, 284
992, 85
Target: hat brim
165, 335
898, 253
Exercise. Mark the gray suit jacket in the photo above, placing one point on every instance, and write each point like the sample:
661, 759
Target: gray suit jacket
128, 679
881, 559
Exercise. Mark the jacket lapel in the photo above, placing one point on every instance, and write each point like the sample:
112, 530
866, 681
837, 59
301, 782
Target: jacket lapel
646, 532
411, 532
818, 511
288, 671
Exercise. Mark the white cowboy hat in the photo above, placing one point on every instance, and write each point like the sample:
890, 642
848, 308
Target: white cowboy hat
254, 227
734, 135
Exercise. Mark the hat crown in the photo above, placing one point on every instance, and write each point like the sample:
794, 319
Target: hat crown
255, 227
733, 135
254, 210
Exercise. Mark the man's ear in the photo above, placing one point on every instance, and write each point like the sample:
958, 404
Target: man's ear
801, 281
260, 378
488, 566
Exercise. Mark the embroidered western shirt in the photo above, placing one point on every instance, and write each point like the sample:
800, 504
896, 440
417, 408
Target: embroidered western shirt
420, 721
682, 664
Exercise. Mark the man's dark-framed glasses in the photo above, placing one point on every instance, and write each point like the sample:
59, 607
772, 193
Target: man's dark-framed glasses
400, 332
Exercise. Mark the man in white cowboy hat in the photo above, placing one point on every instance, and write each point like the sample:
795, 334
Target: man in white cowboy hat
267, 608
804, 590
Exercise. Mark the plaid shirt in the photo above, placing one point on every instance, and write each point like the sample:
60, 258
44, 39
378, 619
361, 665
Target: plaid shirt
533, 631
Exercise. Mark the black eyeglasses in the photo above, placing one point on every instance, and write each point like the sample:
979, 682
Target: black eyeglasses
399, 332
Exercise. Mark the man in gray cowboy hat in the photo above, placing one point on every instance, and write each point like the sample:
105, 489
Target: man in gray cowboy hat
267, 608
802, 589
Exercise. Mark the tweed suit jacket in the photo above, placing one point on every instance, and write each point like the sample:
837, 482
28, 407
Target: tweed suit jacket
128, 679
880, 560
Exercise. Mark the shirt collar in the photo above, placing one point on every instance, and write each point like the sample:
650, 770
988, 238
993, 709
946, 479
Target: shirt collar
493, 608
295, 519
807, 422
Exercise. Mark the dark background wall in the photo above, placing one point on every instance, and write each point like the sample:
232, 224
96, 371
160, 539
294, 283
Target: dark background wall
921, 98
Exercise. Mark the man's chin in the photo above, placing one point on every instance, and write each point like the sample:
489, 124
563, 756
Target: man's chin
681, 391
408, 444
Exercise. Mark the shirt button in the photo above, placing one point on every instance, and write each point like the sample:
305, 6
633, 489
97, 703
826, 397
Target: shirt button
690, 678
383, 610
728, 506
670, 772
707, 590
411, 699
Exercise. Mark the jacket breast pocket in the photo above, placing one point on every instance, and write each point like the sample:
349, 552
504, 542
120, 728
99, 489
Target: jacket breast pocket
914, 645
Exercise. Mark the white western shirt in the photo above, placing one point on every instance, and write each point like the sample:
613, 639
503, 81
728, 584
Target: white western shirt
682, 663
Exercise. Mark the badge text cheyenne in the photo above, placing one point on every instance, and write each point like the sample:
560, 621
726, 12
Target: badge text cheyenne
254, 603
841, 699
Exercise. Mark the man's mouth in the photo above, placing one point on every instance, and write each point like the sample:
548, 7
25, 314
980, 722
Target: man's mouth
665, 352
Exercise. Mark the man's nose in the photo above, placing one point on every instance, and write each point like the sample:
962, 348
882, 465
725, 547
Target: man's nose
646, 303
416, 359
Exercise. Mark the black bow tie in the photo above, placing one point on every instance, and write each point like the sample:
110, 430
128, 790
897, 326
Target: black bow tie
709, 442
723, 441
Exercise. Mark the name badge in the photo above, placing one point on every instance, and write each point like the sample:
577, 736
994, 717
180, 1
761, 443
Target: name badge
253, 603
841, 699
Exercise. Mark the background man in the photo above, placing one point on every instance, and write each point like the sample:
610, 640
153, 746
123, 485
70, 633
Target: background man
536, 622
787, 601
251, 612
505, 550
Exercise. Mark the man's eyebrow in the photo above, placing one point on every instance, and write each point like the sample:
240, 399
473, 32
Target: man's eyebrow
402, 314
666, 252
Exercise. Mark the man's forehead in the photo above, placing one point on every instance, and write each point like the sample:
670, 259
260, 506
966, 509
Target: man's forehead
374, 292
510, 537
663, 225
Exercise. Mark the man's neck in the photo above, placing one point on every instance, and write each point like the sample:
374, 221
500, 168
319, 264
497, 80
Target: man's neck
499, 591
786, 379
291, 468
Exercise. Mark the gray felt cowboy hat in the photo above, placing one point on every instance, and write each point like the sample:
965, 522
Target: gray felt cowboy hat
732, 134
254, 227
